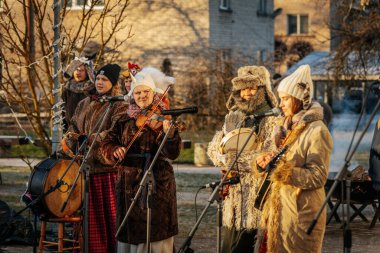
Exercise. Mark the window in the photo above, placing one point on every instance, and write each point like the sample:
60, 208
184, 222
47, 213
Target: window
79, 4
261, 56
224, 5
298, 24
262, 8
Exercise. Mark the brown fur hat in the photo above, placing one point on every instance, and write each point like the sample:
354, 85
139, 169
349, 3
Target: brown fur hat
252, 76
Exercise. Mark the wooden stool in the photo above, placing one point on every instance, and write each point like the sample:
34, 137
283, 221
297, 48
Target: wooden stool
61, 232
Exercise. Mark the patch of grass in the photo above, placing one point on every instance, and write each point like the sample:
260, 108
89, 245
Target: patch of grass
29, 150
186, 156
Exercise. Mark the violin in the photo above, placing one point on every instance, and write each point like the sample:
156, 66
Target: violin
150, 118
154, 121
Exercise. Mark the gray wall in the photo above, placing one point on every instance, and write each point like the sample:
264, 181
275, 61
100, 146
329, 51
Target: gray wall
242, 29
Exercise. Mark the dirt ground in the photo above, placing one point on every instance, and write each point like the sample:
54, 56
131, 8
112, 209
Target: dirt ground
204, 241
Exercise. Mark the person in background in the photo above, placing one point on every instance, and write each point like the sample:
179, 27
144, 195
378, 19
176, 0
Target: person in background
79, 85
251, 94
297, 190
126, 78
86, 119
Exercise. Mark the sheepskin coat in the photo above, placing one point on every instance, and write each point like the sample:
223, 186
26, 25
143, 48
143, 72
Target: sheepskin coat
238, 206
297, 190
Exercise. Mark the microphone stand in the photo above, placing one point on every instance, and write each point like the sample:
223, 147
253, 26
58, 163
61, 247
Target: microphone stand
344, 173
85, 169
147, 181
219, 219
185, 248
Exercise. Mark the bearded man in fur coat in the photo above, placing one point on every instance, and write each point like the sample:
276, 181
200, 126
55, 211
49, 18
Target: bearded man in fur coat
251, 94
297, 190
87, 117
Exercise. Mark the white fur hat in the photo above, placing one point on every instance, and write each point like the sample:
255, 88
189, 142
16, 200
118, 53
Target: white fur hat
161, 80
142, 79
299, 85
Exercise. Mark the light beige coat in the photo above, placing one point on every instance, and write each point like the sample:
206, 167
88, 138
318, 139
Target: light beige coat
297, 191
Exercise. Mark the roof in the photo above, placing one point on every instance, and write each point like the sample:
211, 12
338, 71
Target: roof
320, 64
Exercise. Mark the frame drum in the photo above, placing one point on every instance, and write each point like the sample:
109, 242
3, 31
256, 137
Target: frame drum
45, 176
234, 141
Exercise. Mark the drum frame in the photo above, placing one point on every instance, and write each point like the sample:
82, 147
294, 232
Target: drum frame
44, 184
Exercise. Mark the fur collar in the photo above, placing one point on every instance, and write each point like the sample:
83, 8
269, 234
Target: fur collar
79, 87
314, 113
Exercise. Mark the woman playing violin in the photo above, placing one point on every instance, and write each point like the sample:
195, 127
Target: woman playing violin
133, 159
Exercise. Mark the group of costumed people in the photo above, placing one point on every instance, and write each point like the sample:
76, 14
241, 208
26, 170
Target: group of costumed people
114, 171
297, 181
121, 155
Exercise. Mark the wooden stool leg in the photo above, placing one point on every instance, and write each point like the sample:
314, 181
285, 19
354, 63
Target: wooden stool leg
42, 237
61, 231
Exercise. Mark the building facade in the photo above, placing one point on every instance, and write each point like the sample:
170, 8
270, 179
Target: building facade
300, 28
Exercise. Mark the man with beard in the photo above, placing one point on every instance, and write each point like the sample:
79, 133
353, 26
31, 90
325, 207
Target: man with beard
251, 94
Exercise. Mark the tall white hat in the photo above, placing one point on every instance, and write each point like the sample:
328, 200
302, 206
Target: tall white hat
142, 78
299, 85
161, 80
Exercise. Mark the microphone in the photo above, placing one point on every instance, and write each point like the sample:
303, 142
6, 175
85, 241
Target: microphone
273, 112
230, 181
176, 112
116, 98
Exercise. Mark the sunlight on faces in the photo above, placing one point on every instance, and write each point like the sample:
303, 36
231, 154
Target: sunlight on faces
80, 74
289, 104
248, 93
143, 96
102, 84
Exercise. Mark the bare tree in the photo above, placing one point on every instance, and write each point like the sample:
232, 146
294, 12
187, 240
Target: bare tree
26, 39
357, 27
